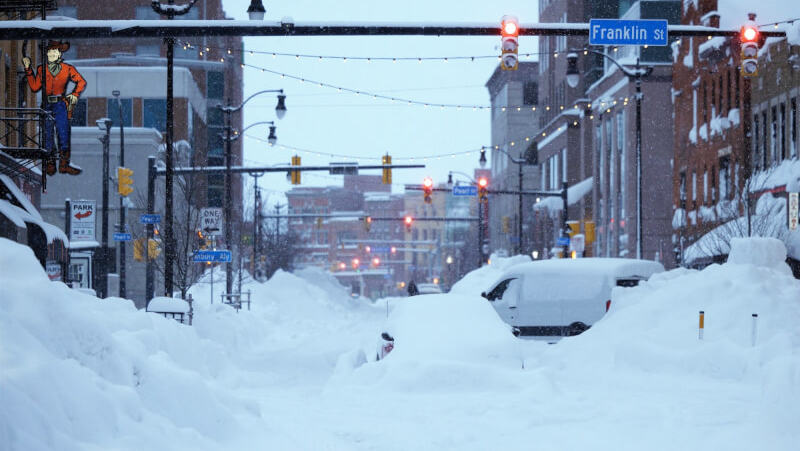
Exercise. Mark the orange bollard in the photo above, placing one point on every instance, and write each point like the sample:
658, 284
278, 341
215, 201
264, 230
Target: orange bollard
702, 320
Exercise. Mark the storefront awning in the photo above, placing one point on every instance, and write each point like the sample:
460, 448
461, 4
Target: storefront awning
16, 207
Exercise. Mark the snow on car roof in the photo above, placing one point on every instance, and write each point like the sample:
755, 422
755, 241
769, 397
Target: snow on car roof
613, 267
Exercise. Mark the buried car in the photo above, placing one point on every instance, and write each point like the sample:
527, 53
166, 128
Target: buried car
448, 327
563, 297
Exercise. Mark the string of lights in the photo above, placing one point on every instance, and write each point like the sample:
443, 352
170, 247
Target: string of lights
775, 24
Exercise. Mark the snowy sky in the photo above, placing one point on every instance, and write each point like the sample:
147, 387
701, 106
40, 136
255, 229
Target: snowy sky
325, 120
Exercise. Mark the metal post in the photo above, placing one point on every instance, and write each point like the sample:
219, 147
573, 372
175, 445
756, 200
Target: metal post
151, 199
565, 200
480, 233
519, 214
228, 198
638, 161
103, 285
122, 225
256, 219
68, 229
169, 248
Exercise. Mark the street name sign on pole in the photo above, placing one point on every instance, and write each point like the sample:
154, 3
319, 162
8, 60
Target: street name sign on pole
122, 237
82, 220
466, 190
794, 209
211, 221
380, 249
150, 219
627, 32
562, 241
212, 256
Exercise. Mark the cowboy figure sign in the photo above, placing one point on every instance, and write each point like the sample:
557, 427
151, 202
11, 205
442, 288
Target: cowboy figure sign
58, 103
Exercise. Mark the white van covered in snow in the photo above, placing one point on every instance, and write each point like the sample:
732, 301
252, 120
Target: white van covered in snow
563, 297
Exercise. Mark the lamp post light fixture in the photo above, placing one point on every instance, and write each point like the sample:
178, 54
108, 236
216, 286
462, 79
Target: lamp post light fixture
280, 112
636, 74
104, 124
531, 158
256, 10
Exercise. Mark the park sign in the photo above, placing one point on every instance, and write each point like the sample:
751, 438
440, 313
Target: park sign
82, 214
627, 32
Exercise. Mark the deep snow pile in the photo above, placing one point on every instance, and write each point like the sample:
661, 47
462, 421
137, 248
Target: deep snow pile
480, 279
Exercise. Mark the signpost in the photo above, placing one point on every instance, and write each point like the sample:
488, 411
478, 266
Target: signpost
465, 190
627, 32
794, 209
380, 249
122, 237
82, 220
212, 256
562, 241
211, 221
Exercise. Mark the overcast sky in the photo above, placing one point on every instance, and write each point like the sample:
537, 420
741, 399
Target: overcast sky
327, 121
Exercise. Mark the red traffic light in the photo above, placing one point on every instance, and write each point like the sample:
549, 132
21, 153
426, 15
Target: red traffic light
428, 182
376, 261
356, 262
409, 220
483, 182
749, 33
509, 26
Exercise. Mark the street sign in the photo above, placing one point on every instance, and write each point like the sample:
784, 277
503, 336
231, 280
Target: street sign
382, 249
577, 243
150, 219
562, 241
794, 209
122, 237
82, 220
465, 190
627, 32
212, 256
211, 221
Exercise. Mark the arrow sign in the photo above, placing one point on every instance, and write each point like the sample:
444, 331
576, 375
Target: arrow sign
85, 214
82, 220
212, 256
211, 221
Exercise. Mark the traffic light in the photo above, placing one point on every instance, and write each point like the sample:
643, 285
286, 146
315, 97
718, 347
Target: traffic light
295, 173
319, 223
138, 250
409, 220
153, 250
367, 223
124, 181
483, 189
376, 262
509, 30
393, 249
356, 262
387, 172
506, 224
749, 37
201, 240
427, 187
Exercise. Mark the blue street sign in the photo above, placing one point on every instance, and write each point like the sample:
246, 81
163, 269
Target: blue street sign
562, 241
513, 239
382, 249
627, 32
212, 256
122, 237
465, 190
150, 219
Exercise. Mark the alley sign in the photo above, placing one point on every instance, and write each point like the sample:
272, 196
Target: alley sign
466, 190
211, 221
794, 209
212, 256
82, 220
627, 32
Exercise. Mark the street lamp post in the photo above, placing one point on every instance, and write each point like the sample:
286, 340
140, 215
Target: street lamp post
122, 225
169, 240
636, 74
104, 125
280, 112
531, 158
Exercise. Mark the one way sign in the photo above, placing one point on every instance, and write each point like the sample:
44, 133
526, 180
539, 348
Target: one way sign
211, 221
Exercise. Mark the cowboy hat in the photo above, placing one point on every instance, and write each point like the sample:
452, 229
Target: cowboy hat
61, 46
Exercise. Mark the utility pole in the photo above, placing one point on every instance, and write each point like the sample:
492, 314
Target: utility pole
122, 209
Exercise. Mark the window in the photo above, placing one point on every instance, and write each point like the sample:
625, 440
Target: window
694, 186
621, 150
782, 136
146, 13
705, 186
216, 84
728, 93
736, 97
764, 139
530, 93
755, 139
793, 128
564, 165
724, 178
155, 114
112, 111
682, 189
773, 144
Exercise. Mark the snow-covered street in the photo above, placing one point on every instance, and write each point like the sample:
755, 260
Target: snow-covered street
80, 373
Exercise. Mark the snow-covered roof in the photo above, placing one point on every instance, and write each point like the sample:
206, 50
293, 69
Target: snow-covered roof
27, 213
574, 194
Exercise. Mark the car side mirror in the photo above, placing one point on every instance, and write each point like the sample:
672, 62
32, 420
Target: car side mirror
483, 295
387, 337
